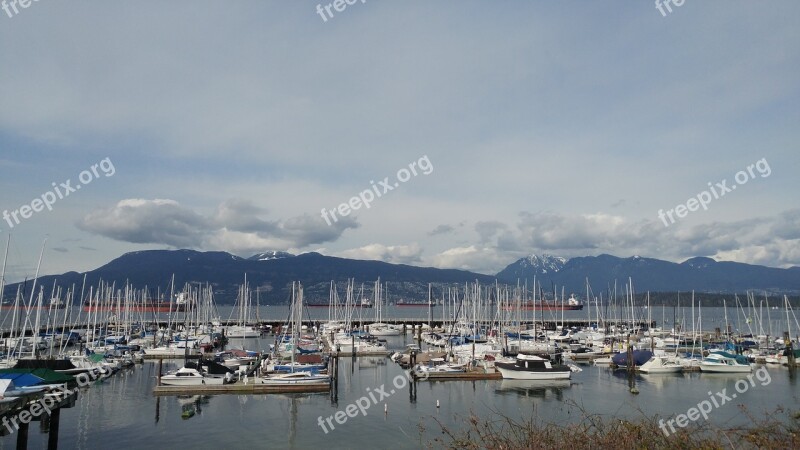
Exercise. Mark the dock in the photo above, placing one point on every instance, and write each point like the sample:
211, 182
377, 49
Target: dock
462, 376
411, 324
240, 388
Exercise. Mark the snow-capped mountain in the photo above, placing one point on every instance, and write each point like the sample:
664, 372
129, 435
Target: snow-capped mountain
270, 255
532, 265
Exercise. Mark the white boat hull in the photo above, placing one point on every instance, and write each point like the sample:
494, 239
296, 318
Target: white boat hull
168, 380
297, 378
724, 368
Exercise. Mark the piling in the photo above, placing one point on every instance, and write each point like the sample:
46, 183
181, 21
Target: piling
160, 362
22, 436
629, 359
789, 350
52, 437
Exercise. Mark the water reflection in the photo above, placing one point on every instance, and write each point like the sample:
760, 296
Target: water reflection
534, 388
371, 362
192, 405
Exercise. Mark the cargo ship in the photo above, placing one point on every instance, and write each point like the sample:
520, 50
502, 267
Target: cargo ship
422, 304
178, 305
571, 304
365, 303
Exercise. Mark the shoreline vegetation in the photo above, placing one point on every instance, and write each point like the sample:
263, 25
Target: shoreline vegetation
777, 429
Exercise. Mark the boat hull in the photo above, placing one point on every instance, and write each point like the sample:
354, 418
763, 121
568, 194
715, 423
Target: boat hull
724, 368
544, 307
511, 372
663, 369
168, 380
297, 378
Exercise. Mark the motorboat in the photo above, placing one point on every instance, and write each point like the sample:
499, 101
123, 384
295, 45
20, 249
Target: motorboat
530, 367
661, 364
723, 362
189, 376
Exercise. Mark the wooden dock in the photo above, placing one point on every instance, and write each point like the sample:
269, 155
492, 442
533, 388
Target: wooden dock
239, 388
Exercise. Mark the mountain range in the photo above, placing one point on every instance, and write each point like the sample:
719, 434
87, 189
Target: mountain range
649, 274
273, 272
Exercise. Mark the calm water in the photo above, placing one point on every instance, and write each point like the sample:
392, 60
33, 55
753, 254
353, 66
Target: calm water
122, 411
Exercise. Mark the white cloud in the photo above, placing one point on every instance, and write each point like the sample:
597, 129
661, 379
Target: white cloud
399, 254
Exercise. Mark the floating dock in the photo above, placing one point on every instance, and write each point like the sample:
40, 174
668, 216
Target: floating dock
239, 388
473, 375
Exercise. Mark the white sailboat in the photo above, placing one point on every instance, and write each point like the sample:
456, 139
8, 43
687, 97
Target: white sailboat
296, 377
379, 328
661, 364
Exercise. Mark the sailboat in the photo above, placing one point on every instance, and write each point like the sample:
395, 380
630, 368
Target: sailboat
378, 328
242, 329
296, 376
660, 364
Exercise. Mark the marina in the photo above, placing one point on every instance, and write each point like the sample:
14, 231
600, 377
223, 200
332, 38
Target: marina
162, 410
478, 357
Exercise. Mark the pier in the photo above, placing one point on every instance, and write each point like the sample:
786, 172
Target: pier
239, 388
408, 323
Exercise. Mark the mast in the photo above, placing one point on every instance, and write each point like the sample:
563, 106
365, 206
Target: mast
3, 275
38, 309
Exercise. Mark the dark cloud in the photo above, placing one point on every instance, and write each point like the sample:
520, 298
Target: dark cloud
143, 221
441, 229
235, 226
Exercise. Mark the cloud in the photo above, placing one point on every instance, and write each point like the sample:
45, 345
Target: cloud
473, 258
770, 241
141, 221
235, 226
487, 230
399, 254
441, 229
60, 249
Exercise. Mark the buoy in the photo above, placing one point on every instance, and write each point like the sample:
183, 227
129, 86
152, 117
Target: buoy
385, 408
437, 403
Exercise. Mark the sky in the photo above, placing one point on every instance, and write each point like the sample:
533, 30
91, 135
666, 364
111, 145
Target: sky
470, 133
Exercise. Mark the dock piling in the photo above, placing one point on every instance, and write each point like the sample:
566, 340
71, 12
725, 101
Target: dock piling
789, 349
